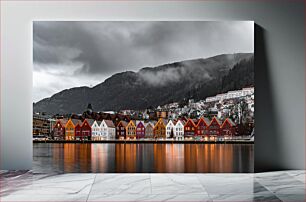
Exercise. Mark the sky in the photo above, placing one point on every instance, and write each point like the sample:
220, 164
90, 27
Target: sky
70, 54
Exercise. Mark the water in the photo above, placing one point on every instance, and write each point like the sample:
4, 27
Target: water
143, 158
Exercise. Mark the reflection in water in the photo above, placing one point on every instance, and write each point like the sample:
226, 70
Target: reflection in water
122, 158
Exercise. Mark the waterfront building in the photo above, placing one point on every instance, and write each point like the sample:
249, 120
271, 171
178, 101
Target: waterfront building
108, 130
228, 128
77, 128
131, 130
214, 128
201, 127
121, 130
140, 130
59, 129
41, 126
189, 129
169, 129
69, 130
160, 129
179, 130
86, 129
149, 130
96, 131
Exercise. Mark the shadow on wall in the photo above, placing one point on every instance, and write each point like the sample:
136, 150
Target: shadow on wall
267, 152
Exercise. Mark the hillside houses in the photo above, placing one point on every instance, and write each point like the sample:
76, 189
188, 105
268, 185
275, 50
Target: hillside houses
226, 115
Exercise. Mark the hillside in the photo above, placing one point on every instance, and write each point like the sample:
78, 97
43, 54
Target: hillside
153, 86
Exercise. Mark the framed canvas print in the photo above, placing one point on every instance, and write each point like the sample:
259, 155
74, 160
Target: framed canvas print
143, 96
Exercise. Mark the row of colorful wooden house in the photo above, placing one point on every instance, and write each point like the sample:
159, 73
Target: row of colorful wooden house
89, 129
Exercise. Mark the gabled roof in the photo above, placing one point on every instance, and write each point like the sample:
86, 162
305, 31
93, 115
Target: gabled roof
161, 120
132, 122
140, 122
171, 121
99, 122
190, 121
206, 120
109, 123
98, 125
215, 118
229, 121
123, 123
63, 122
90, 121
76, 122
149, 123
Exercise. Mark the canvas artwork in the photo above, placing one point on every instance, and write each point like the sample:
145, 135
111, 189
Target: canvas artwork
143, 96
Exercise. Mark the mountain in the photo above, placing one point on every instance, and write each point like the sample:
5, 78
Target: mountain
154, 86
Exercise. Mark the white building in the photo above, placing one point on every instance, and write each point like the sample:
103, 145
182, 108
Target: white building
211, 99
179, 130
247, 91
169, 129
96, 130
108, 130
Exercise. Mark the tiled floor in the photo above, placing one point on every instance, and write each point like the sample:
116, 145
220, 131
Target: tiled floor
271, 186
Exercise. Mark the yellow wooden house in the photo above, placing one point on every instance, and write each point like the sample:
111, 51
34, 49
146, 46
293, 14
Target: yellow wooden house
131, 130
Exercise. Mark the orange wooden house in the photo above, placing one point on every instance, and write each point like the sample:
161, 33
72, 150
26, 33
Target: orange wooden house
160, 129
131, 130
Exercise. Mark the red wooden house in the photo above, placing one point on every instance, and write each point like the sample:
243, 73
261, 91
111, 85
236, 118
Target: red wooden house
140, 130
214, 127
77, 130
189, 129
201, 128
59, 129
86, 129
121, 130
228, 128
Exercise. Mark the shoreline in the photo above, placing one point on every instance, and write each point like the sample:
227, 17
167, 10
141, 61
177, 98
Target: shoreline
147, 141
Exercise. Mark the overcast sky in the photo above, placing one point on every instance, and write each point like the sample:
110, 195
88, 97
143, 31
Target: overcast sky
72, 54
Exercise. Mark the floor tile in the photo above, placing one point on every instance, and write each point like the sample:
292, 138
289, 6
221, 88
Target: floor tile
151, 197
121, 184
218, 184
176, 184
245, 198
43, 198
292, 197
298, 175
58, 185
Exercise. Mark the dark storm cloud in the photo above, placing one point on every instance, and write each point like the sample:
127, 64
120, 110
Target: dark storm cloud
107, 47
70, 54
